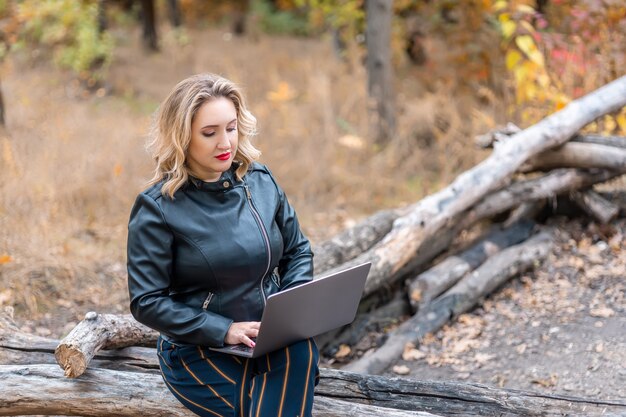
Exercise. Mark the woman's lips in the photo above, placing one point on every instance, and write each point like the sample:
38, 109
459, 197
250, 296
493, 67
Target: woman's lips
224, 156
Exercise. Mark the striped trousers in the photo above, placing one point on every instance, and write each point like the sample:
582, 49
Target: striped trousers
209, 383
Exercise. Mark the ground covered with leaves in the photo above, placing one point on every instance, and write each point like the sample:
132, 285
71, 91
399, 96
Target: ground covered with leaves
560, 328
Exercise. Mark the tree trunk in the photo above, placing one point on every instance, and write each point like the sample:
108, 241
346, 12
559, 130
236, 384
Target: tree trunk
148, 19
173, 8
459, 299
429, 284
379, 68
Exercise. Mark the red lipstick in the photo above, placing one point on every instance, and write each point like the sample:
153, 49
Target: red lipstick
224, 156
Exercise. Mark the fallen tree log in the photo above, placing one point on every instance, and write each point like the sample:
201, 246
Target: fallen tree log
41, 390
96, 332
579, 155
351, 242
465, 294
387, 314
553, 183
595, 205
407, 240
429, 284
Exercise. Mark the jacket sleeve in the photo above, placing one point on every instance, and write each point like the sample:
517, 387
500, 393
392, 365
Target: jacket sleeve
296, 265
150, 259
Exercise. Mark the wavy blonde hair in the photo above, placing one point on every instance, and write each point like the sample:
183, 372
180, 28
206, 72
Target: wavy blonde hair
171, 129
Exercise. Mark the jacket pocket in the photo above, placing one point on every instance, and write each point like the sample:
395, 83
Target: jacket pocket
168, 353
207, 300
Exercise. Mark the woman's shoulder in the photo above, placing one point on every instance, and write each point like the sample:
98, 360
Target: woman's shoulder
153, 191
259, 168
260, 174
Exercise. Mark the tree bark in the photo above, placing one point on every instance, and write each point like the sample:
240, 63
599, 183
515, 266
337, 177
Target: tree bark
580, 155
595, 205
379, 14
41, 390
553, 183
429, 284
412, 234
615, 141
459, 299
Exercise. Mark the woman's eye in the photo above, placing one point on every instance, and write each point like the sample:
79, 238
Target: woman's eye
208, 134
231, 129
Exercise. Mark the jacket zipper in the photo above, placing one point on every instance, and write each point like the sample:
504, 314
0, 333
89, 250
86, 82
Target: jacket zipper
257, 217
207, 301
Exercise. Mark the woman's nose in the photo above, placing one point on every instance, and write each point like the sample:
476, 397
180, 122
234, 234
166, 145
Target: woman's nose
223, 143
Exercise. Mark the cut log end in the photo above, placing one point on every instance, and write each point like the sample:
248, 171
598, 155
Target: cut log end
71, 360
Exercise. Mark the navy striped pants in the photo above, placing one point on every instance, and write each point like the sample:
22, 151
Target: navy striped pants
209, 383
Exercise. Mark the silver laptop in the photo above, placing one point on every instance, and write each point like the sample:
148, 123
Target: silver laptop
306, 311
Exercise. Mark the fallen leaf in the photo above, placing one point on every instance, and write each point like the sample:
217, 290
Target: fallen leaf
603, 312
411, 353
401, 370
546, 382
344, 350
483, 358
5, 259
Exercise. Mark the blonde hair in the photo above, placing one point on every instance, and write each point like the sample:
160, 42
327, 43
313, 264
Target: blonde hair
171, 129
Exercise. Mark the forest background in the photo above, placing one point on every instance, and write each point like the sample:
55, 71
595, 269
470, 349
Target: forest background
78, 96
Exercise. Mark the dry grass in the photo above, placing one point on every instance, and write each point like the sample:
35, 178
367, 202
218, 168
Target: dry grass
72, 165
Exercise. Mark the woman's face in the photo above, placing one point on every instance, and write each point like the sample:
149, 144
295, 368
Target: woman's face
214, 139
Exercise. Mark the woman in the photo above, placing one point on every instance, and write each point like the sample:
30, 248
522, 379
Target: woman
208, 242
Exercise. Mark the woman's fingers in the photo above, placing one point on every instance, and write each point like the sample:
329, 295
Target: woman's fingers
241, 332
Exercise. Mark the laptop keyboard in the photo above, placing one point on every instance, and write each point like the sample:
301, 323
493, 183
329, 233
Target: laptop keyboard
241, 348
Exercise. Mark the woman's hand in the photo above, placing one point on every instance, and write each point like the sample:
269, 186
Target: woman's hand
241, 332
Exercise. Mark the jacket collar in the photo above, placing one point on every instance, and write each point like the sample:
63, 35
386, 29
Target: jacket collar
226, 181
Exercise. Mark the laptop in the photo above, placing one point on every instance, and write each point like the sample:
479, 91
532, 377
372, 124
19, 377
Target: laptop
307, 310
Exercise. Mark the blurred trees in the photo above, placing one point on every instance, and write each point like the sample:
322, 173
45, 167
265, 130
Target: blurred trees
536, 55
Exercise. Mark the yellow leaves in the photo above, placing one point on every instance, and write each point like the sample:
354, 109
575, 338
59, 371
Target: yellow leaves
508, 29
621, 120
283, 93
512, 58
5, 259
527, 45
609, 124
499, 5
561, 101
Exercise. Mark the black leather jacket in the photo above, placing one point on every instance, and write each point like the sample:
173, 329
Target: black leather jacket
212, 255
